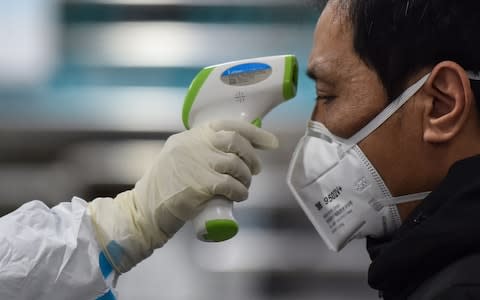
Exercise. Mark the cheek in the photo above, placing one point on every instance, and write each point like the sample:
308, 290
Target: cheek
393, 151
397, 137
381, 149
345, 117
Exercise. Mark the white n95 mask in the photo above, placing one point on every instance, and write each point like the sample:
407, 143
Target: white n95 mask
337, 186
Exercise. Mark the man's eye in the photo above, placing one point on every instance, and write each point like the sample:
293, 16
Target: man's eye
325, 98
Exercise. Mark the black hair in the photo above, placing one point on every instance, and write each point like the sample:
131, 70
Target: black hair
398, 38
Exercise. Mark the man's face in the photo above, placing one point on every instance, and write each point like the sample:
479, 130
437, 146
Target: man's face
350, 94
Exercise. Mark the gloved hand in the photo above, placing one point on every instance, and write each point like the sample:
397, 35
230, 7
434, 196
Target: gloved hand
216, 158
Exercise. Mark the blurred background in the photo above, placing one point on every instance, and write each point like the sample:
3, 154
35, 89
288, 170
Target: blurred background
90, 90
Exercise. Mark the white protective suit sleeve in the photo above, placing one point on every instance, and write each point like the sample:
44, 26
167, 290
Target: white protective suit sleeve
52, 254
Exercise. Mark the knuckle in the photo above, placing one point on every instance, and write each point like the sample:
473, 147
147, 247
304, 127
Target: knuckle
230, 136
227, 134
222, 140
233, 159
243, 196
254, 163
218, 166
254, 158
248, 181
228, 181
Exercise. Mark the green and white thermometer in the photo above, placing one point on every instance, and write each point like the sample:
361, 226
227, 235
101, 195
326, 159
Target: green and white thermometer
240, 90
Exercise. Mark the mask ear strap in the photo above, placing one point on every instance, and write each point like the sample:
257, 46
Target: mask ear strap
473, 75
387, 112
404, 199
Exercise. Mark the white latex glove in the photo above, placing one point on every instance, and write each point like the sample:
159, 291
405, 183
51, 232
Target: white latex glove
217, 158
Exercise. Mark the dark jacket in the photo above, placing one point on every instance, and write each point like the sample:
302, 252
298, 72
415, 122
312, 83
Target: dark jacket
435, 255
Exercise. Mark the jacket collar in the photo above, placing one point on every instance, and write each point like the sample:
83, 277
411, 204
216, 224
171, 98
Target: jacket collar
443, 229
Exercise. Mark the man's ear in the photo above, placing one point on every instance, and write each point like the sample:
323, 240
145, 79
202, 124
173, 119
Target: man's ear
450, 102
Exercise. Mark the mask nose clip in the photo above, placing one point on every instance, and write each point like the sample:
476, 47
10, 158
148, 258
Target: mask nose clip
318, 130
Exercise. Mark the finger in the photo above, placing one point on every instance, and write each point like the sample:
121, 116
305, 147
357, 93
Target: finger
230, 188
232, 165
258, 137
232, 142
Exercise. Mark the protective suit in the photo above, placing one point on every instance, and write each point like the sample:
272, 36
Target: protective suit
52, 254
77, 250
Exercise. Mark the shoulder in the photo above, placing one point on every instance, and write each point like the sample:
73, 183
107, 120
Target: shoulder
459, 280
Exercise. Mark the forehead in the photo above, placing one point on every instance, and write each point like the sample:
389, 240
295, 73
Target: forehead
332, 51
